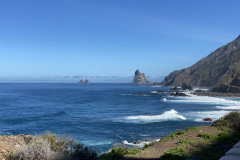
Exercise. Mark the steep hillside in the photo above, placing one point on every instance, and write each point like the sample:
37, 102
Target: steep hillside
221, 66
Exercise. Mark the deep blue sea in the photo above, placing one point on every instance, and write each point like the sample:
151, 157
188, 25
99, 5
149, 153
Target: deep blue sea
100, 115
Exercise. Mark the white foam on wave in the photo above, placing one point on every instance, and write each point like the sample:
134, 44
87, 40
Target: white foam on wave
153, 91
96, 143
156, 86
228, 107
167, 115
141, 144
126, 94
205, 100
214, 115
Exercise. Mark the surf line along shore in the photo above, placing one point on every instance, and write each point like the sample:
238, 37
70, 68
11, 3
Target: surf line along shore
205, 142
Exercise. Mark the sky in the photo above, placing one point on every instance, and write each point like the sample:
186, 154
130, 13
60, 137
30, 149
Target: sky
107, 40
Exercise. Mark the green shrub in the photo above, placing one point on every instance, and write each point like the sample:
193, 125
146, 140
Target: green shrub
81, 152
208, 136
133, 150
231, 120
114, 154
147, 145
192, 128
118, 153
176, 153
10, 156
57, 144
173, 135
183, 141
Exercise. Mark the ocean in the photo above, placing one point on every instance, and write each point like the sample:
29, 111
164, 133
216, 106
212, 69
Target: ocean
100, 115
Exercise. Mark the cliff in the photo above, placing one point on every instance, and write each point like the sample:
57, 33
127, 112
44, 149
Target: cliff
220, 67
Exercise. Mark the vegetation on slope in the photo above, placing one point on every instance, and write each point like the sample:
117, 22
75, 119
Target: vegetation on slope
203, 143
51, 147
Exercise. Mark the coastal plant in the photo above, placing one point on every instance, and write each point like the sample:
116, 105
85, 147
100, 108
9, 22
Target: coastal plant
114, 154
57, 144
132, 150
231, 120
118, 153
176, 153
38, 150
192, 128
147, 145
10, 156
173, 135
51, 147
183, 141
208, 136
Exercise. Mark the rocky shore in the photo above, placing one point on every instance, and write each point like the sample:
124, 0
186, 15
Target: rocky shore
216, 94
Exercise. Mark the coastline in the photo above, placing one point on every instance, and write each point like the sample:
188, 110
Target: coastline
216, 94
208, 142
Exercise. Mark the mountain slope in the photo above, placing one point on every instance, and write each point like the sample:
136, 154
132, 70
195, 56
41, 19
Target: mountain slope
221, 66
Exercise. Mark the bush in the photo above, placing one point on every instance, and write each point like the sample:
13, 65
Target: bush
173, 135
147, 145
208, 136
231, 120
118, 153
183, 141
176, 153
192, 128
114, 154
38, 150
51, 147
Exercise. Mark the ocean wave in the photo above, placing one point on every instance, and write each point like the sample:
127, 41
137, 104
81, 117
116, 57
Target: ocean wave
156, 86
96, 143
153, 91
214, 115
140, 144
228, 107
126, 94
167, 115
205, 100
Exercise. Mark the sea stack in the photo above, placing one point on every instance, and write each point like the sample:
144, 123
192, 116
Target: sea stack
140, 79
83, 82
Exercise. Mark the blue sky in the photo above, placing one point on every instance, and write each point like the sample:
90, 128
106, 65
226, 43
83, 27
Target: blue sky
107, 40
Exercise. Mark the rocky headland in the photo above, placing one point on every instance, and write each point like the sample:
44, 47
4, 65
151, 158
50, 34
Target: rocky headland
220, 67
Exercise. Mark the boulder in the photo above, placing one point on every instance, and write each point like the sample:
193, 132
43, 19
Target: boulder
174, 89
207, 119
180, 94
186, 87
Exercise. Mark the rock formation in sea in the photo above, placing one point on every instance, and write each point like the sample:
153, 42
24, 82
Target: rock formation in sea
83, 82
220, 67
140, 79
